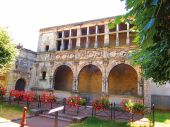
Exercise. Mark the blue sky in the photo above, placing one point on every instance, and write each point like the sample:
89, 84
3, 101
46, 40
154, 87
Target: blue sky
24, 18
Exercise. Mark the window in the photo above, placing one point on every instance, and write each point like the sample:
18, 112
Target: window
66, 42
58, 45
59, 34
47, 48
43, 75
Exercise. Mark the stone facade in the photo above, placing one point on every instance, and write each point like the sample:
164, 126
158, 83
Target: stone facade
23, 69
81, 58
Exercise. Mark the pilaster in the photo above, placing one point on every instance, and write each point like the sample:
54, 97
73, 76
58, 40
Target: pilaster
117, 35
106, 36
78, 38
62, 41
96, 40
128, 38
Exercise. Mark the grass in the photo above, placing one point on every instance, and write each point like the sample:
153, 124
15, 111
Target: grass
162, 119
95, 122
10, 111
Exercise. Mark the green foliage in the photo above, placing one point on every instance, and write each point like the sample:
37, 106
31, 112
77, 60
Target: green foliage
152, 23
137, 107
95, 122
7, 50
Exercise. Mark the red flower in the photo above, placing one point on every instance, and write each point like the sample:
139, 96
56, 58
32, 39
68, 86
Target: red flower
101, 103
47, 97
16, 93
2, 91
75, 101
29, 96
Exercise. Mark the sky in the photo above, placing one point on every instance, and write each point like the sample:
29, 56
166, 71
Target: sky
24, 18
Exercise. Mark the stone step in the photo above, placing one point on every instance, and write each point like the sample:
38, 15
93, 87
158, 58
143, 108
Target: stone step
53, 117
66, 117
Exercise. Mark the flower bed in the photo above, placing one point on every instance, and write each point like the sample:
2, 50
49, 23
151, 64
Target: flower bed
101, 103
47, 97
76, 101
29, 96
133, 107
17, 94
2, 91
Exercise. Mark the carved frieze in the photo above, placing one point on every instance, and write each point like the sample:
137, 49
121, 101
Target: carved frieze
84, 54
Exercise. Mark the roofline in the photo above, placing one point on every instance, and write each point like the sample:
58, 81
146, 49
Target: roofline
28, 50
78, 23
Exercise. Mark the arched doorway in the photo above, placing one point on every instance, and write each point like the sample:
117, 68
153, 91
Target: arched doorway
20, 84
90, 79
123, 80
63, 78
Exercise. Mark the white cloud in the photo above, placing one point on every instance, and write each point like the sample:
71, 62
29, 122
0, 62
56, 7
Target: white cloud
24, 18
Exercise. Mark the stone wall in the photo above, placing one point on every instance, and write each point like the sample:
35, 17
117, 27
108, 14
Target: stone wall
23, 69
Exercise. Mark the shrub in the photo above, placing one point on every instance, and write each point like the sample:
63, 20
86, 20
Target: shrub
17, 94
76, 101
47, 97
133, 107
2, 91
101, 103
29, 96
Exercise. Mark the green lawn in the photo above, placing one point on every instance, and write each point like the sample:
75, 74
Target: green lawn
10, 111
95, 122
162, 119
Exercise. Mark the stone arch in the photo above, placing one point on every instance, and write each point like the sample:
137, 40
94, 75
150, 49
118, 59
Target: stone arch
61, 64
115, 63
63, 78
89, 63
20, 84
90, 79
123, 80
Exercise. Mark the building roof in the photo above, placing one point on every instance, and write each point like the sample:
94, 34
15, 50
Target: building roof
78, 23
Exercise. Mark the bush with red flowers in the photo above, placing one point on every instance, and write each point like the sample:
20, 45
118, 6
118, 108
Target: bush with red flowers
47, 97
75, 101
2, 91
17, 94
29, 96
101, 103
133, 107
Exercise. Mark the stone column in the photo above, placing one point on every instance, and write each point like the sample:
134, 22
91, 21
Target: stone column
128, 38
87, 38
75, 84
62, 41
70, 41
147, 93
117, 35
104, 85
106, 36
96, 40
78, 38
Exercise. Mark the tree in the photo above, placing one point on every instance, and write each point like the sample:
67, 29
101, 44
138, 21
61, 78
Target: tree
8, 51
151, 19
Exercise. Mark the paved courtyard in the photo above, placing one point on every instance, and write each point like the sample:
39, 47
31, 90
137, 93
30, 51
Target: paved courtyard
33, 122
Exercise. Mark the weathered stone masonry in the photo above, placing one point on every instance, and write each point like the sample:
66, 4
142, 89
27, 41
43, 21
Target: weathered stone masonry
88, 58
